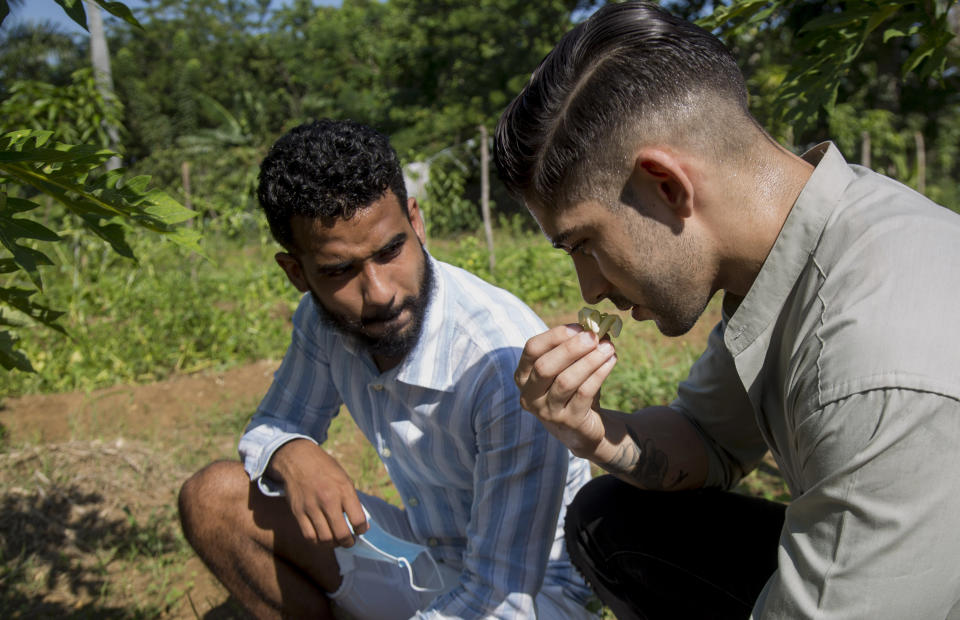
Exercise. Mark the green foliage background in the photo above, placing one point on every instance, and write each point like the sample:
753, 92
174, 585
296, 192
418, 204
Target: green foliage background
204, 87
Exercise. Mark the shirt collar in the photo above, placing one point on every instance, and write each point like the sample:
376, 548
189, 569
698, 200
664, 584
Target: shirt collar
791, 251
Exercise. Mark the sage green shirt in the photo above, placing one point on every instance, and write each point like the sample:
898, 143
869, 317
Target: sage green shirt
843, 360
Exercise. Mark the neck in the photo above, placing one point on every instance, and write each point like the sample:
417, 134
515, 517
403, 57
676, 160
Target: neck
386, 363
769, 185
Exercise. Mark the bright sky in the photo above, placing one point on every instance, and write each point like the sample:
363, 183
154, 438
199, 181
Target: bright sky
48, 10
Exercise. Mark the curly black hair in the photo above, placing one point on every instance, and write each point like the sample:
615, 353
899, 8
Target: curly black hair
325, 169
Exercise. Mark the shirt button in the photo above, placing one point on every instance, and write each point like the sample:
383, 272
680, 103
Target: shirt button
385, 453
413, 501
433, 542
378, 387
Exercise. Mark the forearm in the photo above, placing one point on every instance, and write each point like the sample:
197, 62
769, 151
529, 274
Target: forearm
656, 448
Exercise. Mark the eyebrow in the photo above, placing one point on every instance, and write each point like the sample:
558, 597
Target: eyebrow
398, 239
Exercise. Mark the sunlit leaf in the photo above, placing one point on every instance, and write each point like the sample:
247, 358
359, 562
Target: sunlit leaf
75, 10
119, 10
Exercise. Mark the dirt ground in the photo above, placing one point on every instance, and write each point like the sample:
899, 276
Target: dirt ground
88, 487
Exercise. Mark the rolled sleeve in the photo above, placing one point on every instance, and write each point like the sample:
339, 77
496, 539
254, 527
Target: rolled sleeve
874, 533
257, 447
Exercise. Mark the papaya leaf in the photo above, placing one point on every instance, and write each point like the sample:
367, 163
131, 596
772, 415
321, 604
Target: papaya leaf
10, 358
882, 15
120, 10
725, 14
113, 233
18, 205
75, 11
19, 299
21, 228
26, 258
848, 17
187, 238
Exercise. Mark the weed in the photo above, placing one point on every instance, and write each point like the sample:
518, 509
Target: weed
171, 313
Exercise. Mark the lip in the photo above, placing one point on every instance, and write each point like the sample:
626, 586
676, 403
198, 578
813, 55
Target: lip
395, 324
637, 313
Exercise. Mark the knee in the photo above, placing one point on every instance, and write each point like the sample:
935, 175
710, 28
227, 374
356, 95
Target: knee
207, 496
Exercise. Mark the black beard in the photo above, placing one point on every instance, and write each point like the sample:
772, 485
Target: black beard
391, 344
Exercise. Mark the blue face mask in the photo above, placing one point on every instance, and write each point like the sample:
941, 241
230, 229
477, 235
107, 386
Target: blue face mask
379, 545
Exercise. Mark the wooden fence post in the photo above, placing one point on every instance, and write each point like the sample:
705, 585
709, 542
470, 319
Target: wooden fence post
485, 194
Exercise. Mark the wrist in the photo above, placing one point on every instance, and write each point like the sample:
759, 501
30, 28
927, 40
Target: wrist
286, 458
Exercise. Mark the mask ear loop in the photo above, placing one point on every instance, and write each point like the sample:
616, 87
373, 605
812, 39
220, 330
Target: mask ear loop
436, 570
400, 561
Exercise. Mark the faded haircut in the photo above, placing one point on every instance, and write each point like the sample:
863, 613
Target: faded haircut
326, 169
632, 73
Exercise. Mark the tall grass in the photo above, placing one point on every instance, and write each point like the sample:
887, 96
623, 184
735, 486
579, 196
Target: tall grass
175, 313
135, 323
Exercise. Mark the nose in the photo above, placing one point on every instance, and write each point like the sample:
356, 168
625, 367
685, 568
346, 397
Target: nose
593, 286
377, 289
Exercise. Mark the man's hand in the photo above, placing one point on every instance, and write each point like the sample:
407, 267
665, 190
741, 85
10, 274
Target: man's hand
559, 376
319, 493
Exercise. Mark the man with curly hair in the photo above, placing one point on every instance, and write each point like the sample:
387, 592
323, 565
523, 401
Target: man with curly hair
422, 355
634, 148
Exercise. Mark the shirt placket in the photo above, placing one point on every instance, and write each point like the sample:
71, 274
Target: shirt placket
380, 397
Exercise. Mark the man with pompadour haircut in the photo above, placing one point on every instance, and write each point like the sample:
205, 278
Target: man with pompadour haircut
633, 147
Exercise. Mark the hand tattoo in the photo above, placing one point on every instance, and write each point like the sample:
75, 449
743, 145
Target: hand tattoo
642, 461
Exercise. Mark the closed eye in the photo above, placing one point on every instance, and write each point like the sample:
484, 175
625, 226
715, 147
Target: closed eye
579, 247
390, 252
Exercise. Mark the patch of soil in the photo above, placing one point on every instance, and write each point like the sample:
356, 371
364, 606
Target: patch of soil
88, 485
145, 411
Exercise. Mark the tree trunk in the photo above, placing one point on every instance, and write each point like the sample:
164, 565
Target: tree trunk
865, 149
100, 57
921, 162
485, 193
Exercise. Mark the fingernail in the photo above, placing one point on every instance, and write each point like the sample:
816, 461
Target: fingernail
572, 331
605, 347
586, 337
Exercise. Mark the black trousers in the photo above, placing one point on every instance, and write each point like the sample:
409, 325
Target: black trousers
673, 555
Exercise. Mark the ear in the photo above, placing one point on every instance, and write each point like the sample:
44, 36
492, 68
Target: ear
416, 220
665, 173
291, 266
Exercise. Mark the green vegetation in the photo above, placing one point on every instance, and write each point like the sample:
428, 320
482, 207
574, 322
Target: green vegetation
201, 91
172, 312
175, 312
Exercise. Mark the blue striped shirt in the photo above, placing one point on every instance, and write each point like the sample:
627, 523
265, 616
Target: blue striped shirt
482, 482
